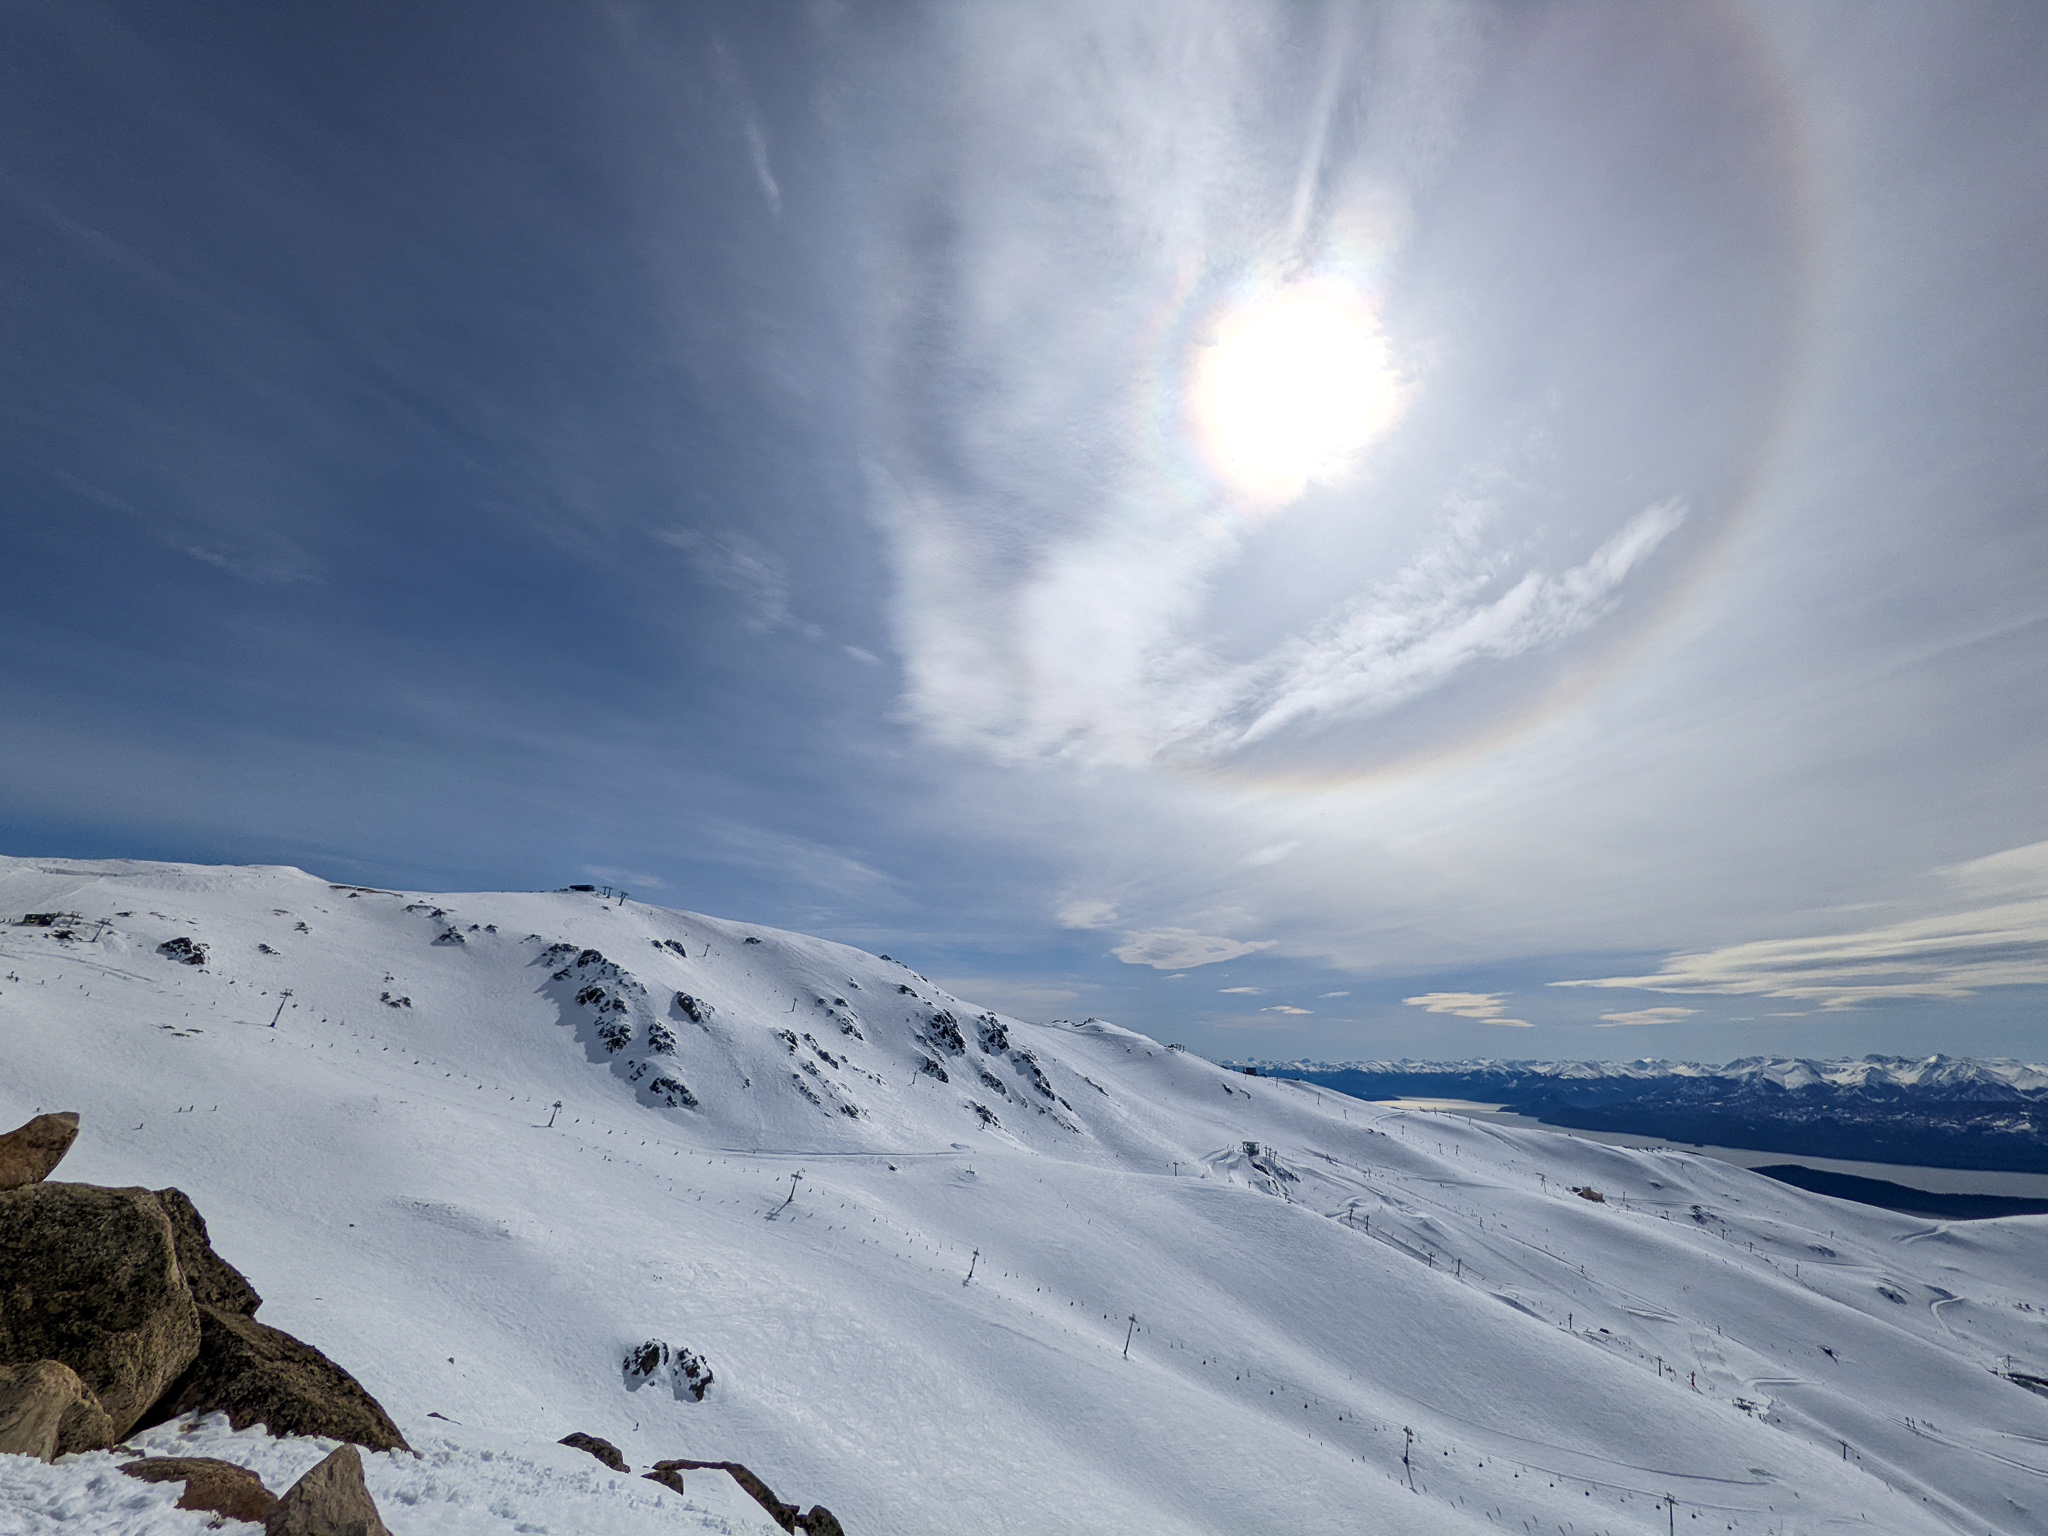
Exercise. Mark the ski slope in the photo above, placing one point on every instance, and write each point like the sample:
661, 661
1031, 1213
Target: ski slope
785, 1155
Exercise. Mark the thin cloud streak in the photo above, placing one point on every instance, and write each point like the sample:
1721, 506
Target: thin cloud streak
1483, 1007
1947, 955
1175, 949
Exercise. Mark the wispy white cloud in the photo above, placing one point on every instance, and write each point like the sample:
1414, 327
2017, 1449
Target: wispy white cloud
629, 879
1087, 912
1021, 999
1061, 550
1486, 1007
750, 124
729, 559
1173, 949
1978, 941
1334, 994
1287, 1008
1672, 1015
1247, 991
1432, 621
801, 860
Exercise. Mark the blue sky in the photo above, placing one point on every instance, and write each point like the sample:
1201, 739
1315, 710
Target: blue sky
1307, 530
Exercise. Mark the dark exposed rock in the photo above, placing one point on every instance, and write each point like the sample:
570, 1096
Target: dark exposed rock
692, 1374
944, 1029
640, 1364
183, 950
695, 1009
35, 1401
689, 1373
29, 1152
212, 1486
784, 1515
257, 1374
603, 1450
330, 1500
90, 1277
820, 1521
214, 1281
673, 1091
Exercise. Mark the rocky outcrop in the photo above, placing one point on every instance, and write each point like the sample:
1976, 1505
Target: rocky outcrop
689, 1373
90, 1277
820, 1521
182, 950
212, 1487
46, 1411
603, 1450
28, 1153
214, 1282
122, 1286
257, 1374
330, 1500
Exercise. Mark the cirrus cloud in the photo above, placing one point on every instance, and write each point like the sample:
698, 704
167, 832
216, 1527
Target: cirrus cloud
1174, 949
1993, 933
1623, 1020
1484, 1007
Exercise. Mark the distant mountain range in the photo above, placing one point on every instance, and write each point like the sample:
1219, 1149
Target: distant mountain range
1936, 1111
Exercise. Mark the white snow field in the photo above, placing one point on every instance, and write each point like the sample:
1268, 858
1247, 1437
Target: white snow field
1703, 1350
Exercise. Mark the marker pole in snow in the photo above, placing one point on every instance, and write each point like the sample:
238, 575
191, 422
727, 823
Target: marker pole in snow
970, 1267
282, 998
1670, 1514
792, 1192
1127, 1335
1405, 1462
554, 1109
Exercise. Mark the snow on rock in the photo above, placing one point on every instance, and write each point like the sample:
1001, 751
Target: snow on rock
479, 1485
480, 1203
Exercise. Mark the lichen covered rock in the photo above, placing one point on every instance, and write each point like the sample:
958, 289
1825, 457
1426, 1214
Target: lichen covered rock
90, 1277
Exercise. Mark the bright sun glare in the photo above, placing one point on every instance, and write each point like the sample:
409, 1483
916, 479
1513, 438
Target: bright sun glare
1296, 384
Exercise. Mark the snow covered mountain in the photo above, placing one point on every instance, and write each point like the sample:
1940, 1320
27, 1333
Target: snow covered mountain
953, 1271
1943, 1111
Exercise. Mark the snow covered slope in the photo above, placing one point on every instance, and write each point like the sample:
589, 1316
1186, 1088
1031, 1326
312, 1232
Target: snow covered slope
785, 1155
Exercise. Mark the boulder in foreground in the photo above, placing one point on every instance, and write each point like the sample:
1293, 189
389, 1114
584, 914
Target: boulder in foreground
211, 1486
90, 1277
213, 1280
330, 1500
46, 1411
257, 1374
28, 1153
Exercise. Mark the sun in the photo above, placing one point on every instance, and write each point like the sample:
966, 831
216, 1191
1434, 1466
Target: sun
1296, 384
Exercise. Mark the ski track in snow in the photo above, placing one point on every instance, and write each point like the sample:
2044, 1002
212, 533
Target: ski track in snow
1311, 1277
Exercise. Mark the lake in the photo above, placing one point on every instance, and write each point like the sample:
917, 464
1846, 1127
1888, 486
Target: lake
1945, 1181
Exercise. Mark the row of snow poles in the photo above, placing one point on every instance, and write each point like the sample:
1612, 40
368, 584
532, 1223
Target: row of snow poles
1669, 1501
